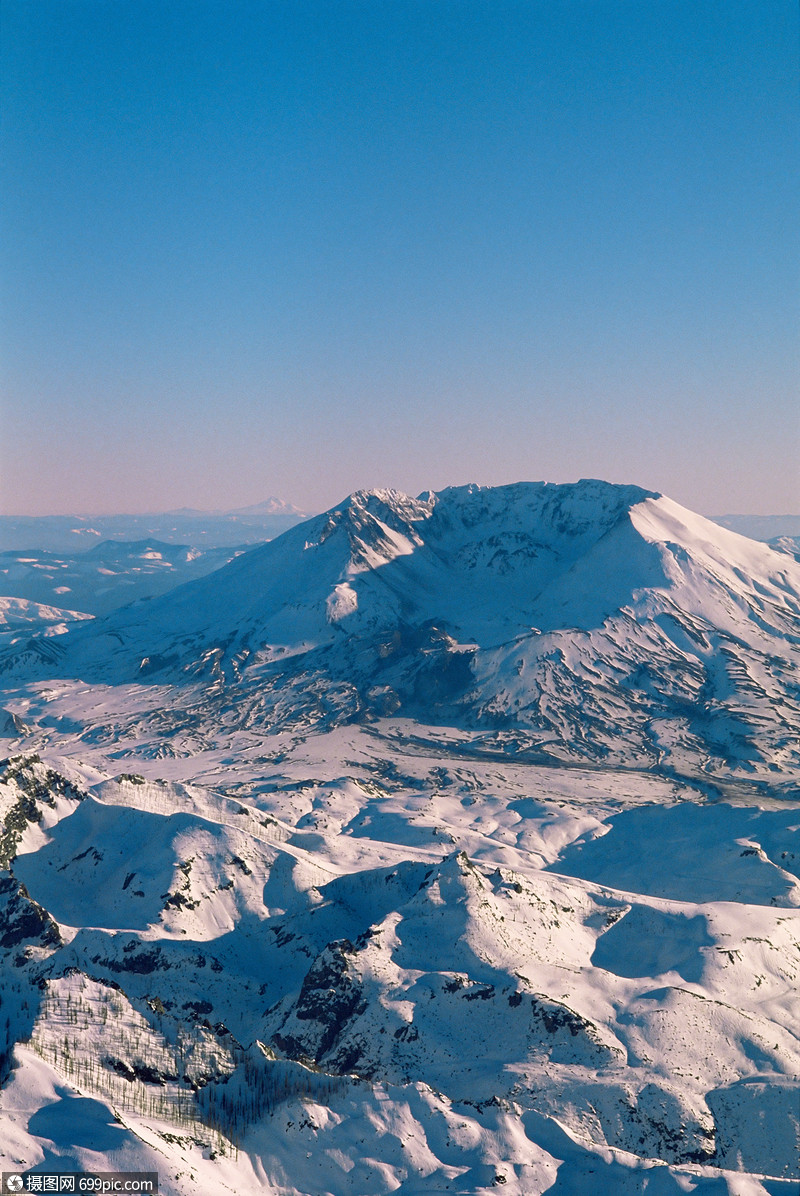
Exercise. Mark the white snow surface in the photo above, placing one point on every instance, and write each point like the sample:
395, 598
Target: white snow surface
447, 844
19, 612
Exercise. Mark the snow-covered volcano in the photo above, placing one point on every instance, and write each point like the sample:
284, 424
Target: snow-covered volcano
589, 621
441, 845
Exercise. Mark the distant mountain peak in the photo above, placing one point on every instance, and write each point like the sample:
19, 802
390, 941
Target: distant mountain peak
269, 506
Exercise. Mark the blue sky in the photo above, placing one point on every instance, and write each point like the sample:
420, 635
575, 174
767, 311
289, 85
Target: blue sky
298, 248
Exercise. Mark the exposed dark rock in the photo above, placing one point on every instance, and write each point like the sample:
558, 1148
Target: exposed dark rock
330, 996
23, 919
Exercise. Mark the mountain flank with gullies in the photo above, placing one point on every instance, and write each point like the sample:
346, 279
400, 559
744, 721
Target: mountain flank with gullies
586, 622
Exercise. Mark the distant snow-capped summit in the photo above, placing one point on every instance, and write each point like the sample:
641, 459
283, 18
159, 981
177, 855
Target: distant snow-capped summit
73, 533
269, 506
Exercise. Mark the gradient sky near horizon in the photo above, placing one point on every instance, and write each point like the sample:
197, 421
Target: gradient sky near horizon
302, 247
